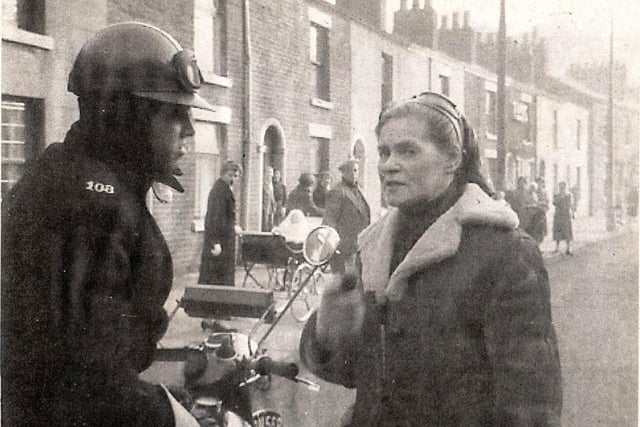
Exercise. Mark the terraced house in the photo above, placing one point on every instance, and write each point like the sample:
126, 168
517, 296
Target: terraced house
298, 85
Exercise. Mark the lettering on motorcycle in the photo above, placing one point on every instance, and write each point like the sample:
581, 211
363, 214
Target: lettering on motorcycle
267, 419
99, 187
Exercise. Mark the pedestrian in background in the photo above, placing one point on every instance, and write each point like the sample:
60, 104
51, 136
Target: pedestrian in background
540, 222
322, 189
519, 200
280, 196
268, 200
449, 322
348, 212
562, 217
301, 197
217, 265
85, 268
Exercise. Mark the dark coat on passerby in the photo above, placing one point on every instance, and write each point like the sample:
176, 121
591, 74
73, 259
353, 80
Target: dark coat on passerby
562, 217
219, 224
460, 334
320, 196
85, 274
520, 201
348, 212
537, 227
300, 198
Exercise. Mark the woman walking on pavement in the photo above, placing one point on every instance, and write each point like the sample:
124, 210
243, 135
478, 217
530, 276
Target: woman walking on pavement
562, 217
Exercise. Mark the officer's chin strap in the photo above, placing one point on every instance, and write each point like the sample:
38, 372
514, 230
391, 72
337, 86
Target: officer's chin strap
155, 193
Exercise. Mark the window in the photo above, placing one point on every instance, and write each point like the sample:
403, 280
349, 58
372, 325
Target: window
209, 41
578, 133
319, 155
22, 137
444, 85
491, 113
555, 129
27, 15
209, 138
387, 79
319, 55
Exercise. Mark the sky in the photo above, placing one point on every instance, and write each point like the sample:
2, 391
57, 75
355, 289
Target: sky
578, 30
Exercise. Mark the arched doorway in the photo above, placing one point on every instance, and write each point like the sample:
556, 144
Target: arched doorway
273, 149
272, 157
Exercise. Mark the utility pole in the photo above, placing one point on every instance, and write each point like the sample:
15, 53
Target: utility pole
501, 145
611, 219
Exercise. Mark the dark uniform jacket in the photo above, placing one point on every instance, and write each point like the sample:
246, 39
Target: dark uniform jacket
460, 333
219, 226
85, 274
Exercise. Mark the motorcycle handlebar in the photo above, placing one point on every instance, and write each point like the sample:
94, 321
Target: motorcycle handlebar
266, 365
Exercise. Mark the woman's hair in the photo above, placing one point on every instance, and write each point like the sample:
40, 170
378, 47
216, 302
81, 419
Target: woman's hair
446, 128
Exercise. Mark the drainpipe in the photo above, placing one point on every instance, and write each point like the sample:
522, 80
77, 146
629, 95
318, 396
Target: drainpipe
246, 110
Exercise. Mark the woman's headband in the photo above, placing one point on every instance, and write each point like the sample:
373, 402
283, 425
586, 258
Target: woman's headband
439, 103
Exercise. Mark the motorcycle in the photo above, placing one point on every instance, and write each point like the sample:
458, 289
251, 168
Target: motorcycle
229, 370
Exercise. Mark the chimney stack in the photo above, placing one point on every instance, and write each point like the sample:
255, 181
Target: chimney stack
443, 22
454, 21
467, 18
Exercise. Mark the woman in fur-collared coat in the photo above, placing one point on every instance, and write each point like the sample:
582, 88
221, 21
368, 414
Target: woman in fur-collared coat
449, 322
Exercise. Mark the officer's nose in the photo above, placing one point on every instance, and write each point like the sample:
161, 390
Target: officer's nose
188, 126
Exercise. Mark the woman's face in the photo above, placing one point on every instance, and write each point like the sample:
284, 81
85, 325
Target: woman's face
170, 129
410, 164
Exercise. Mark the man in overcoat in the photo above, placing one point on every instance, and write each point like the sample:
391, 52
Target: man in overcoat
217, 265
348, 212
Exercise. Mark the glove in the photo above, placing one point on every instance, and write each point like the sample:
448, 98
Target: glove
341, 314
237, 229
217, 249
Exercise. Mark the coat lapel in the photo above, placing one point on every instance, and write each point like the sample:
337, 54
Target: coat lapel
439, 242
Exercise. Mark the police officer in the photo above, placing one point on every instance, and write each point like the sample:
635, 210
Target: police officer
86, 270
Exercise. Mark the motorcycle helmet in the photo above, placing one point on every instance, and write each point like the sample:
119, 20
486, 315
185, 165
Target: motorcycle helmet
140, 59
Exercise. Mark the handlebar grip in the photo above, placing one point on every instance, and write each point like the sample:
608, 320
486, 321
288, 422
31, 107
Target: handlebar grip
266, 365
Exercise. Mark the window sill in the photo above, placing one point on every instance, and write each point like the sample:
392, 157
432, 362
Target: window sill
197, 225
492, 137
217, 80
28, 38
317, 102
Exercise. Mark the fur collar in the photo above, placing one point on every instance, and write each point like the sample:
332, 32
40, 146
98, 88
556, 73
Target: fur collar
439, 242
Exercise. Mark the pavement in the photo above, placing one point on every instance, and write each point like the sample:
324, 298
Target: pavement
586, 230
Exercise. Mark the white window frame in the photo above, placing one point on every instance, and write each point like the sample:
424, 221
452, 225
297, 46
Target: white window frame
204, 15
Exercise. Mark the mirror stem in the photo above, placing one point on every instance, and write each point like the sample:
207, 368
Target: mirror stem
286, 307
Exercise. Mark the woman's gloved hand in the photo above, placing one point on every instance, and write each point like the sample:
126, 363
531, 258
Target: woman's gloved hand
341, 314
